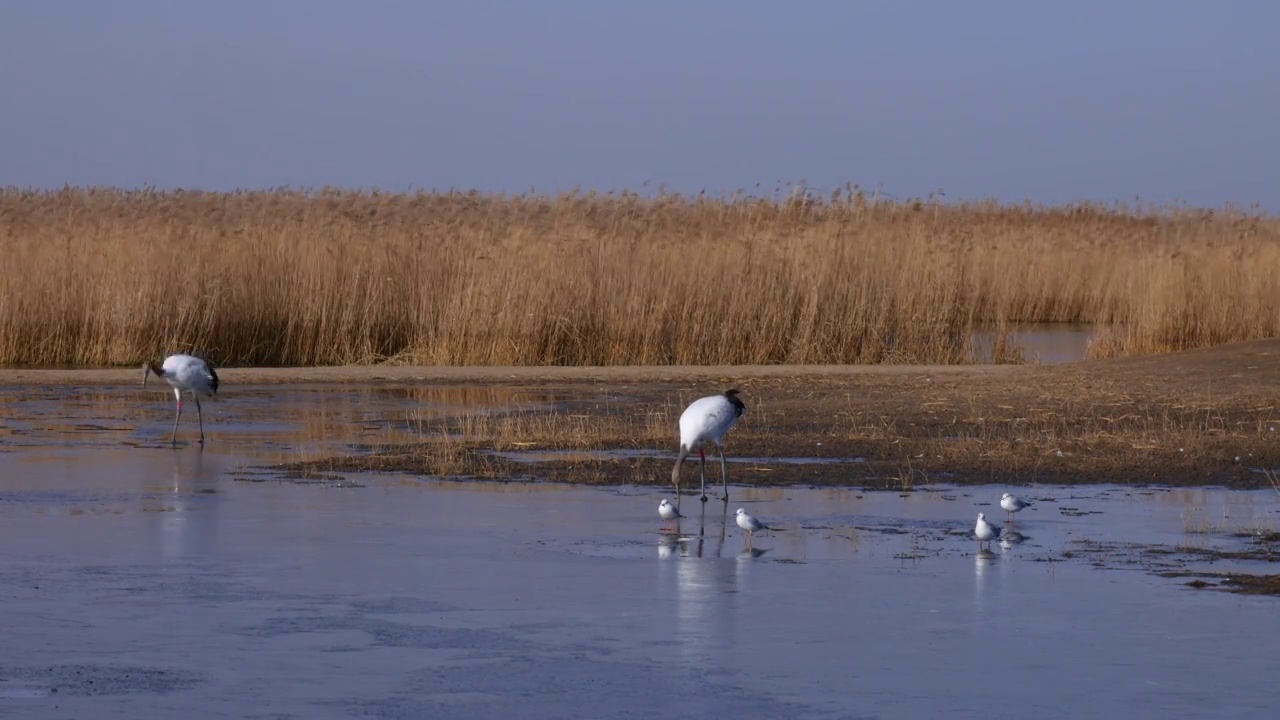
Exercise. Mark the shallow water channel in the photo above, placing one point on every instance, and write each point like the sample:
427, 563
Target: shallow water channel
144, 581
1045, 343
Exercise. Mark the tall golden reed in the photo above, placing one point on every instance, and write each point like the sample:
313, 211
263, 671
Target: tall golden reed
282, 277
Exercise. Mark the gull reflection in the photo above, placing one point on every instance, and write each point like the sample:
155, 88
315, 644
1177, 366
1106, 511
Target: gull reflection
743, 567
668, 545
981, 563
983, 559
1011, 537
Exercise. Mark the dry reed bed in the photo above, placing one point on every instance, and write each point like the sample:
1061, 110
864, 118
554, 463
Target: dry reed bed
97, 277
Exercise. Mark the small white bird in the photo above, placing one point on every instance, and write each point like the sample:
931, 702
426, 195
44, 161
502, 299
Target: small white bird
189, 373
985, 531
707, 420
668, 512
749, 524
1012, 504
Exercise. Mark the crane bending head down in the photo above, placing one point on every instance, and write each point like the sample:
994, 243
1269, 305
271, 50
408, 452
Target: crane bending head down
707, 420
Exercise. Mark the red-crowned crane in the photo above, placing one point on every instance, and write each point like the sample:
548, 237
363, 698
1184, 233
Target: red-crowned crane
707, 420
184, 373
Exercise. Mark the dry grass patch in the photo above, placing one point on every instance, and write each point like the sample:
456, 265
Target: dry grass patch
575, 429
110, 277
1155, 420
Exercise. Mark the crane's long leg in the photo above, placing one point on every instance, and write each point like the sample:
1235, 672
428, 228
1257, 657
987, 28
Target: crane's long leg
702, 470
200, 415
724, 477
176, 416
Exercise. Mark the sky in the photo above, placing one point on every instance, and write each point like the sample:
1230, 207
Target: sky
1116, 100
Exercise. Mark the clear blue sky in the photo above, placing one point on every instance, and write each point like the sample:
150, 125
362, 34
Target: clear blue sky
1090, 99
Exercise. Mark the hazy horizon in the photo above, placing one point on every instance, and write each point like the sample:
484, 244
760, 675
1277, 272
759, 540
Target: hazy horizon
1160, 102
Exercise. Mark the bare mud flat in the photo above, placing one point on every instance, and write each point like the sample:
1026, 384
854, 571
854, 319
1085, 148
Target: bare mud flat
1204, 417
141, 580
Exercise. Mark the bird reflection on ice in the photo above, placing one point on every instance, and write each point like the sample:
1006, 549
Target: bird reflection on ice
668, 545
1011, 537
699, 579
188, 517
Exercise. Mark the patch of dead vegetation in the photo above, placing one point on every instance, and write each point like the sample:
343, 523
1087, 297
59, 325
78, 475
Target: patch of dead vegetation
104, 276
1238, 583
1196, 418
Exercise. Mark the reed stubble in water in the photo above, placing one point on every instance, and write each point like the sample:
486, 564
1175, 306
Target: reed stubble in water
111, 277
1200, 417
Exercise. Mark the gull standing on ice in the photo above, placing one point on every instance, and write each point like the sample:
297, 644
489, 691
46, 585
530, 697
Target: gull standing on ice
707, 420
749, 524
668, 512
985, 531
1012, 504
189, 373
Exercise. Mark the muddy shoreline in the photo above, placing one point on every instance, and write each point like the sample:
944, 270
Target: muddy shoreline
492, 374
1196, 418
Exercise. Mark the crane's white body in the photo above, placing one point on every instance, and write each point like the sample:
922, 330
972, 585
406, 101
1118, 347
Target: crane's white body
748, 524
667, 511
185, 373
985, 531
1012, 504
706, 420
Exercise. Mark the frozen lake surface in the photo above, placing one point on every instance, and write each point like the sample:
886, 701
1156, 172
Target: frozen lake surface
144, 581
